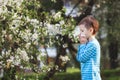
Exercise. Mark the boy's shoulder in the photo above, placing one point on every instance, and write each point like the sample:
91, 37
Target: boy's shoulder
94, 43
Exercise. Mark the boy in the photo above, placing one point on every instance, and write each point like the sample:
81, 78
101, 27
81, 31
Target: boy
89, 50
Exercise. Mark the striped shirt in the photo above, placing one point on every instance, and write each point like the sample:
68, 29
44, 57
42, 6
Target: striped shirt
89, 57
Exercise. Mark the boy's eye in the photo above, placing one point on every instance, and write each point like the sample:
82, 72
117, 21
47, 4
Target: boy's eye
82, 31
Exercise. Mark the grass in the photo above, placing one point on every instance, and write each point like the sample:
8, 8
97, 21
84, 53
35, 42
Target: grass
111, 74
73, 74
72, 70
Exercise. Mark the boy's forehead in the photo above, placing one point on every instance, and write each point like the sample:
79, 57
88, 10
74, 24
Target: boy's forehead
82, 26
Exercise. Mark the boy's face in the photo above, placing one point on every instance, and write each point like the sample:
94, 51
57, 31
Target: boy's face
84, 33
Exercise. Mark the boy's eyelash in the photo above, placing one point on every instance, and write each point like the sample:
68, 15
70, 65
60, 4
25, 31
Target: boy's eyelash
81, 30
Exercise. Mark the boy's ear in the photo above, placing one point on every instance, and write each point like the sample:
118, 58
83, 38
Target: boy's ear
91, 30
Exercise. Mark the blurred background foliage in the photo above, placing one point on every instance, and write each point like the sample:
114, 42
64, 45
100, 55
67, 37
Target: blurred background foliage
26, 26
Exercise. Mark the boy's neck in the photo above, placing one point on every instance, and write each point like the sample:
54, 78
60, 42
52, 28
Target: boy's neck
92, 38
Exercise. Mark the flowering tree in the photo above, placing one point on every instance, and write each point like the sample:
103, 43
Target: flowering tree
25, 24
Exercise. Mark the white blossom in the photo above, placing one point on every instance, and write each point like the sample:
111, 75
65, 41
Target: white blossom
8, 52
21, 66
31, 57
24, 55
54, 29
28, 45
1, 73
76, 31
17, 60
34, 21
11, 58
26, 35
41, 64
57, 15
3, 9
64, 58
3, 52
3, 32
14, 25
27, 19
34, 36
62, 22
43, 54
10, 36
53, 12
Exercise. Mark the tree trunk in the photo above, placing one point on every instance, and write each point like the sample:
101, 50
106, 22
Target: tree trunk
112, 40
73, 52
113, 53
61, 51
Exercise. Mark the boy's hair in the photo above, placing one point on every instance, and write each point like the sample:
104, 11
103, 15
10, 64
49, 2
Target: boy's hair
89, 21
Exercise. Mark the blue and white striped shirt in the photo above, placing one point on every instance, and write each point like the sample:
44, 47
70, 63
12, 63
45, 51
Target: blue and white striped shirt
89, 57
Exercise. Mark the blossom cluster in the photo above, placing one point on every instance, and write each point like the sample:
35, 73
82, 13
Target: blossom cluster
21, 33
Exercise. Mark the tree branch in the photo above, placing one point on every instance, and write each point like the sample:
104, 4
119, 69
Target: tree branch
86, 11
74, 7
